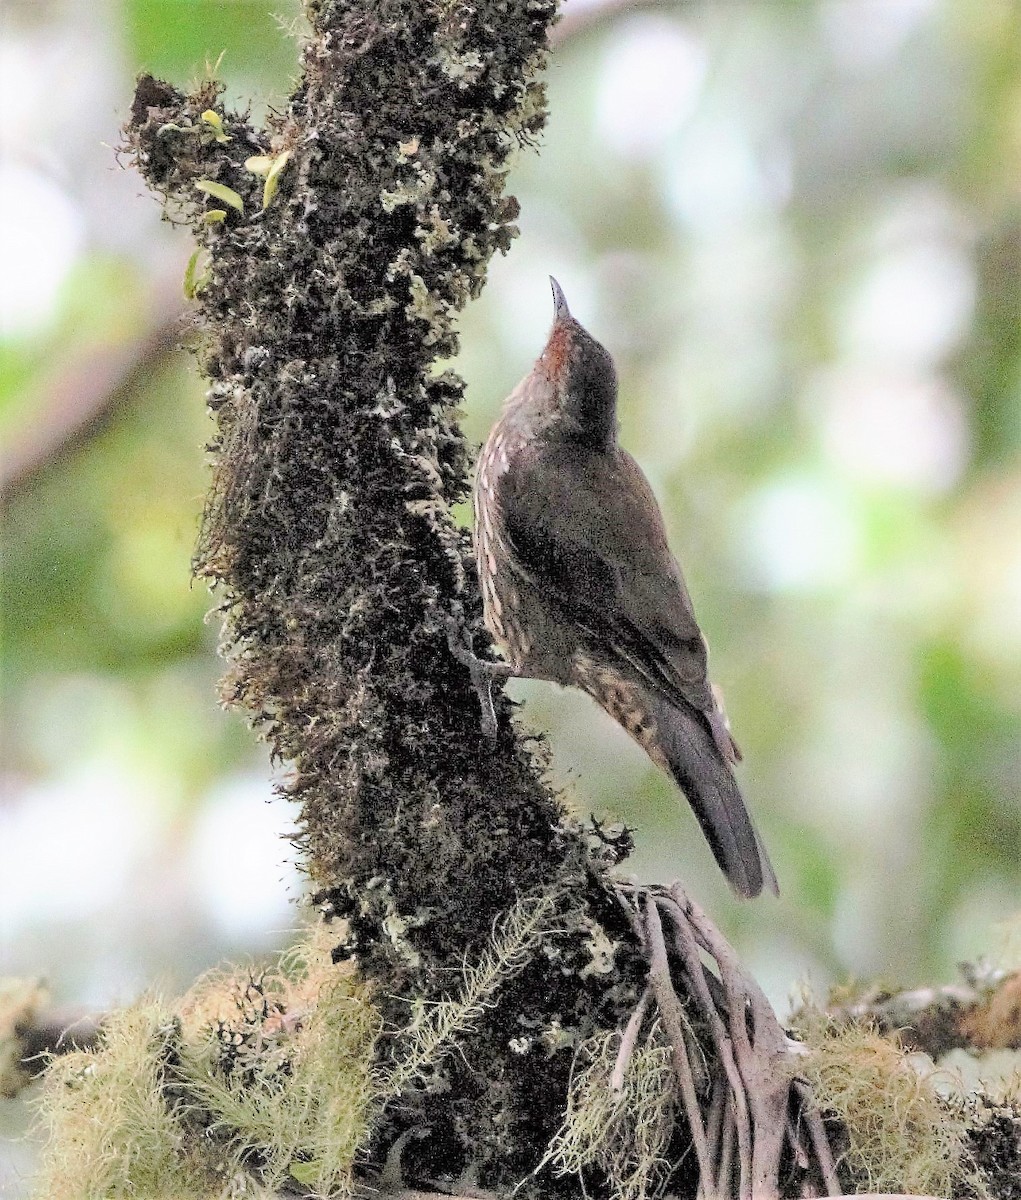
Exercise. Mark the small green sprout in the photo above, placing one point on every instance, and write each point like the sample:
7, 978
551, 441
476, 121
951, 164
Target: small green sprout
268, 168
214, 216
213, 68
193, 281
259, 164
215, 122
269, 189
221, 192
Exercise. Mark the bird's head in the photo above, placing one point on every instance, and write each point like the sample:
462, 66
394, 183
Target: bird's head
576, 381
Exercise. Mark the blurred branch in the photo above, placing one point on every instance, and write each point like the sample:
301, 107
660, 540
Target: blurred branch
59, 1031
31, 1032
580, 19
87, 389
982, 1013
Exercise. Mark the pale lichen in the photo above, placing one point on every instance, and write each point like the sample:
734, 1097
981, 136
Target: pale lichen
250, 1080
110, 1120
901, 1134
625, 1133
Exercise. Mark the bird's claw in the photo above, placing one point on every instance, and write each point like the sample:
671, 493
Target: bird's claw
481, 671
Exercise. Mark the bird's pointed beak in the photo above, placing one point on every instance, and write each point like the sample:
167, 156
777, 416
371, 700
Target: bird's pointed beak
560, 309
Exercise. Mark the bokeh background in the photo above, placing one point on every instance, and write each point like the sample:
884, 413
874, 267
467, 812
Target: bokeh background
797, 226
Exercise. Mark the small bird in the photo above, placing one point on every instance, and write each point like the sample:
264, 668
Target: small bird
579, 585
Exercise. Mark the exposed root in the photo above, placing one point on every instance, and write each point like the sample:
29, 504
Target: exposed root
750, 1115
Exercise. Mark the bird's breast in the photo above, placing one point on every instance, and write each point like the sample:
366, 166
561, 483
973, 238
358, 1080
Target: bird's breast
519, 611
501, 597
623, 697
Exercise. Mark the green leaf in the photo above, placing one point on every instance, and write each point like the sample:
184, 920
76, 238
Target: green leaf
221, 192
215, 122
214, 216
269, 189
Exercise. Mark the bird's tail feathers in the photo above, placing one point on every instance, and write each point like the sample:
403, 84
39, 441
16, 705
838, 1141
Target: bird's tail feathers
692, 754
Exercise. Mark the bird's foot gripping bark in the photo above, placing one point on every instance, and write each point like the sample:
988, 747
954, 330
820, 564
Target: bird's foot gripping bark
483, 671
753, 1106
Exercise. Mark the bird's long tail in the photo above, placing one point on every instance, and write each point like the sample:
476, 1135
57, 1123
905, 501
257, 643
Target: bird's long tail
681, 741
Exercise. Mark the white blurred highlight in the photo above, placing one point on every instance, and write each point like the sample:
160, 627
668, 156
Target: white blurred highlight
58, 860
718, 179
652, 79
35, 267
862, 34
896, 429
798, 534
913, 305
241, 865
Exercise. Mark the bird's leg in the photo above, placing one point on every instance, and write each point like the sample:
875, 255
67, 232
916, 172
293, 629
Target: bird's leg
482, 671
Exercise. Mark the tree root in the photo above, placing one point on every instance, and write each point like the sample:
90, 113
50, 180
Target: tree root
756, 1106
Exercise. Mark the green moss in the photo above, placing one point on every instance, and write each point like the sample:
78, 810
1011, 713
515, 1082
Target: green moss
437, 1029
261, 1077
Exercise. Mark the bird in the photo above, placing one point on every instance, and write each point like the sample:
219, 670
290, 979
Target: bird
579, 586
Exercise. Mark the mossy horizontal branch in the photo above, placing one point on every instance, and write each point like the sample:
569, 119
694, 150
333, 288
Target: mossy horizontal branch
261, 1075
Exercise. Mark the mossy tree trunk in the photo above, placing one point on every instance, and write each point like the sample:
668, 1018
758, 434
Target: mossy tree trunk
329, 534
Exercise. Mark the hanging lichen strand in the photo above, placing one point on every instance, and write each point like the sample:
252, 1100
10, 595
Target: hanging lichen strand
337, 247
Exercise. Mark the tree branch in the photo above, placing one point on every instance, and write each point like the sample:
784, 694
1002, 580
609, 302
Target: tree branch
79, 400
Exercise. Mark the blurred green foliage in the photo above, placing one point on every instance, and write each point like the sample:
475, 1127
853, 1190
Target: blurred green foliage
252, 45
98, 548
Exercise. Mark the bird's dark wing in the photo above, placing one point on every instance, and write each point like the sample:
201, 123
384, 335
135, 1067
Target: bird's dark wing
585, 527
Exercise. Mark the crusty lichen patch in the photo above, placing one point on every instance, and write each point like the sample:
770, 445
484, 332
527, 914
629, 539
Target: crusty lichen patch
994, 1142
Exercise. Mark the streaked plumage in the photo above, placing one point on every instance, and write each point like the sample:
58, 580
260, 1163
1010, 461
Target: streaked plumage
579, 585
